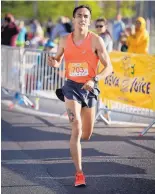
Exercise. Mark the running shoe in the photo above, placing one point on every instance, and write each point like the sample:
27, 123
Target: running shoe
80, 179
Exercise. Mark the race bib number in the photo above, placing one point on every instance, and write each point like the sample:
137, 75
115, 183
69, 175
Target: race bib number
78, 69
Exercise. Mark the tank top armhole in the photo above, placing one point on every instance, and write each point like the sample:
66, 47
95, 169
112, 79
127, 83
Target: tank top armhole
91, 42
68, 40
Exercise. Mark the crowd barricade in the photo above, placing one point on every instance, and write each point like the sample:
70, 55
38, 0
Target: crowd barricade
37, 76
10, 68
130, 88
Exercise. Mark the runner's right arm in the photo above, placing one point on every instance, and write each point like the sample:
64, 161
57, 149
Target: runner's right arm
56, 60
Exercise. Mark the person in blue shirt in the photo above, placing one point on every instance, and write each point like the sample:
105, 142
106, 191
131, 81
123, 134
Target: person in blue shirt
62, 28
22, 34
118, 28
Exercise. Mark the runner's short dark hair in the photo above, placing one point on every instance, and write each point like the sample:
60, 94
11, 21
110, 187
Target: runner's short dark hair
81, 6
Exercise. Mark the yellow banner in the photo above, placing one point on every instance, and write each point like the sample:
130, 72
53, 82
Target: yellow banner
132, 81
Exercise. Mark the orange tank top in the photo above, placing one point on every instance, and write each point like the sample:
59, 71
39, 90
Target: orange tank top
80, 61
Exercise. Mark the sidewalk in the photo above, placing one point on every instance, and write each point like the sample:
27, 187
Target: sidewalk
49, 105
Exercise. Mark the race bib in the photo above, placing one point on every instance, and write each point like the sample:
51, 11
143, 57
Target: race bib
78, 69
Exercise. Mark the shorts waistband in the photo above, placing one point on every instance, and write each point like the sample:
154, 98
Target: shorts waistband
71, 81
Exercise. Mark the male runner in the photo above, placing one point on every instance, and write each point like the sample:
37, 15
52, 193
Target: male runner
82, 51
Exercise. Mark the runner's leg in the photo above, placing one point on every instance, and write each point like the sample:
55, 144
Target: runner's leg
73, 111
88, 119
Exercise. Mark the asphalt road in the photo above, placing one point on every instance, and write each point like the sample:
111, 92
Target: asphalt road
36, 159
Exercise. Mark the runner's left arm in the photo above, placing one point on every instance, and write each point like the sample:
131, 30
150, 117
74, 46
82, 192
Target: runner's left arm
104, 58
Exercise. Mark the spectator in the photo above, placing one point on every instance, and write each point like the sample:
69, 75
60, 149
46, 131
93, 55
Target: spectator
50, 46
123, 41
60, 29
9, 31
32, 28
39, 29
139, 41
36, 41
38, 37
118, 28
129, 31
49, 27
124, 36
101, 28
22, 34
68, 25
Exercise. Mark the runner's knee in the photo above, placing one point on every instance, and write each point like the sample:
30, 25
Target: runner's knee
86, 136
76, 130
87, 132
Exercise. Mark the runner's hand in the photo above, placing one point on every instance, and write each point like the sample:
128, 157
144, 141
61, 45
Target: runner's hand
89, 85
52, 62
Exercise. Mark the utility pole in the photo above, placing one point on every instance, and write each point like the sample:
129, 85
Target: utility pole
118, 6
141, 11
35, 8
76, 3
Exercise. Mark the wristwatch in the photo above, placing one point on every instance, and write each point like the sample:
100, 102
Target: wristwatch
95, 79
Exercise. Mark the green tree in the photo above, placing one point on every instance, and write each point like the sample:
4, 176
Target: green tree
54, 9
20, 9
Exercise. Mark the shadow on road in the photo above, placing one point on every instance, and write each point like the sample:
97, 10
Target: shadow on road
55, 164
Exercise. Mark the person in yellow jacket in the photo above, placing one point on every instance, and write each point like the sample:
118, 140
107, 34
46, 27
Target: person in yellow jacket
139, 42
